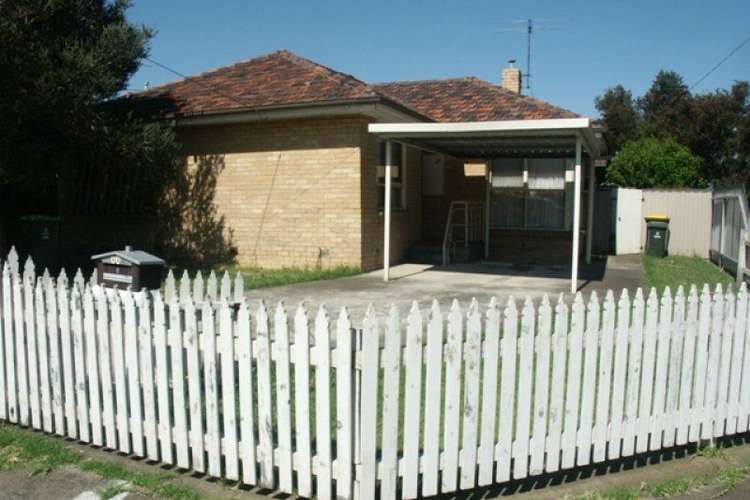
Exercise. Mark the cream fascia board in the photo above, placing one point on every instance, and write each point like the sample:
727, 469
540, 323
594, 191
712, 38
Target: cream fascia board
422, 128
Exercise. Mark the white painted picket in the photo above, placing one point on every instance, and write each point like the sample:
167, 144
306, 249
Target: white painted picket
200, 379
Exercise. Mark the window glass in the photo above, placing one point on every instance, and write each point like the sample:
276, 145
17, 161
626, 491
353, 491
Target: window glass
507, 207
547, 173
716, 225
507, 172
545, 208
732, 228
529, 193
433, 175
398, 193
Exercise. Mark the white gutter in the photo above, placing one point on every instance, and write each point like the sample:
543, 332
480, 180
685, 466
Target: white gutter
475, 127
507, 128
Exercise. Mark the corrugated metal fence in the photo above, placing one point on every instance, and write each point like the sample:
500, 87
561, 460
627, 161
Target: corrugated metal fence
689, 212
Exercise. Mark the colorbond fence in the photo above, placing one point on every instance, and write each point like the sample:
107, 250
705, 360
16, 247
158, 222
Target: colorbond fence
437, 401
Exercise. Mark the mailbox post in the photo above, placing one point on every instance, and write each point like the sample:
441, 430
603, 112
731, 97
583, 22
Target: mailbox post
128, 268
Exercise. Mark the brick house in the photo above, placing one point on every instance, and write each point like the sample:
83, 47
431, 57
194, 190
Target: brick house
305, 153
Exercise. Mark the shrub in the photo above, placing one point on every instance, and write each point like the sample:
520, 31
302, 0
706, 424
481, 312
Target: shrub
650, 162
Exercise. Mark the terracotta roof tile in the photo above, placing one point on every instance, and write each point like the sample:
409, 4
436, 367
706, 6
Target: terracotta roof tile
282, 79
276, 79
469, 99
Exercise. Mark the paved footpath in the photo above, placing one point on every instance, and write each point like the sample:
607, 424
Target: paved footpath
62, 483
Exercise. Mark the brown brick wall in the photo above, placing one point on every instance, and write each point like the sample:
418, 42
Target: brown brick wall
406, 225
456, 186
531, 246
282, 193
288, 191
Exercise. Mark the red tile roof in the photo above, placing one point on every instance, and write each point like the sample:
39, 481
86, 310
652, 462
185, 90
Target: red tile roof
276, 79
469, 99
283, 79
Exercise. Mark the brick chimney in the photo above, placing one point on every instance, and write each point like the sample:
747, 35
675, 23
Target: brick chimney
511, 77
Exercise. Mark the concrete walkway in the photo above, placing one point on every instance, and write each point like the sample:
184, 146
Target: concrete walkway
464, 282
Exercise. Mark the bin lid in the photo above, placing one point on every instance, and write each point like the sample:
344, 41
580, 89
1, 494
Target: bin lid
137, 257
657, 217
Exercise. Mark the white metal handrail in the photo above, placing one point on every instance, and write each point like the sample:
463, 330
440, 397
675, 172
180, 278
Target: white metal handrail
471, 222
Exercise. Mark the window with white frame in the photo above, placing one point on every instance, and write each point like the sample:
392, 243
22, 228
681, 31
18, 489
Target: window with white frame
529, 193
398, 175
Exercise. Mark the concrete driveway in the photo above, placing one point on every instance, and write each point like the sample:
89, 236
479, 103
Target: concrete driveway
464, 282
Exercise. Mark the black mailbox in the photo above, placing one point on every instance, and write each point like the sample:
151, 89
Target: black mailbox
129, 268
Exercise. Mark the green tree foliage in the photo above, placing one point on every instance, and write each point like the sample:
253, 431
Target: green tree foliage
619, 115
62, 61
666, 108
651, 162
714, 126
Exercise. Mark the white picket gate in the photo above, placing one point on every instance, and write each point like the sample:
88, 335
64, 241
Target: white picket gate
440, 402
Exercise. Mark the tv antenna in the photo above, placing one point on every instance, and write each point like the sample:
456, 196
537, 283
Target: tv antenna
529, 27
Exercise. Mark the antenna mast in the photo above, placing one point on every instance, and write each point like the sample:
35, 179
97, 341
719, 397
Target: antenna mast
529, 32
530, 27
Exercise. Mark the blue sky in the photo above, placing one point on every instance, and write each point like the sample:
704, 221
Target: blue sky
591, 45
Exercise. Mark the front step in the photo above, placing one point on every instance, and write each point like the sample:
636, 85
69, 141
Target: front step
472, 253
425, 253
432, 253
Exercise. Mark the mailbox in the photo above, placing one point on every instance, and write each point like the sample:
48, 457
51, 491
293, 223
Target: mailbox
134, 269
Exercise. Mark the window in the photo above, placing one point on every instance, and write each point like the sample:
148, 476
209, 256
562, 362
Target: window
433, 175
528, 194
398, 176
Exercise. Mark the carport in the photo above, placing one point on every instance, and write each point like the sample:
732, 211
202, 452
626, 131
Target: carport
569, 138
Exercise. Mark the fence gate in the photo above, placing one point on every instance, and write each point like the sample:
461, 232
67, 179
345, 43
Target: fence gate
629, 217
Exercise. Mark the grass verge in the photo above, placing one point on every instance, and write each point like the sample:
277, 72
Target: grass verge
677, 270
255, 277
262, 278
41, 454
725, 479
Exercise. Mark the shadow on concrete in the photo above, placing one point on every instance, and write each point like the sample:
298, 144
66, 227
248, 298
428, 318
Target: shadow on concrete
521, 268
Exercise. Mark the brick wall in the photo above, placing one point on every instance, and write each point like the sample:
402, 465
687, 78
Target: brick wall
282, 193
406, 224
456, 187
289, 192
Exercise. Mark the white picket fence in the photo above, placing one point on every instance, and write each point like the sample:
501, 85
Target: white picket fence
438, 403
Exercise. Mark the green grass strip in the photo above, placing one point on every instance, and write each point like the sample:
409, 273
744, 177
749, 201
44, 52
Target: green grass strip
42, 454
677, 270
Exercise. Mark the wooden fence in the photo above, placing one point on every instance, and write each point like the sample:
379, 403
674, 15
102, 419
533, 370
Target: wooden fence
439, 402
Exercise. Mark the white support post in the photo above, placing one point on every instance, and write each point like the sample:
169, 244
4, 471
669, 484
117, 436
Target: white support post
387, 212
466, 225
741, 256
576, 218
590, 214
488, 194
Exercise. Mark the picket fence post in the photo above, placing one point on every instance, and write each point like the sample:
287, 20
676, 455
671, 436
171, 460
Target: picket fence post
199, 379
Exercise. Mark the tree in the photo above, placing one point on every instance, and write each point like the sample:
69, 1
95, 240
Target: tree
619, 115
651, 162
62, 62
666, 108
717, 133
713, 125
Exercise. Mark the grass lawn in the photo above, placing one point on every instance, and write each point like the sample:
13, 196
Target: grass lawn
40, 454
728, 474
255, 277
262, 278
676, 270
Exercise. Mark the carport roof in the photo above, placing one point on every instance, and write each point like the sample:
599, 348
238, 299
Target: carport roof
488, 139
